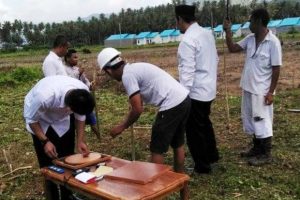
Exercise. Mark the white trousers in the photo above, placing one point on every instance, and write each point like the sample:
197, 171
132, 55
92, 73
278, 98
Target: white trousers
261, 126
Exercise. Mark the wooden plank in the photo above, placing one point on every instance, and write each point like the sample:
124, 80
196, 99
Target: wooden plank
138, 172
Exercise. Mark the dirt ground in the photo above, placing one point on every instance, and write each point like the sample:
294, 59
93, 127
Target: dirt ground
165, 57
230, 65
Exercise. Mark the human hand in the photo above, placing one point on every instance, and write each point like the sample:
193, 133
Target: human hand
82, 148
227, 25
50, 150
117, 130
269, 98
93, 85
81, 70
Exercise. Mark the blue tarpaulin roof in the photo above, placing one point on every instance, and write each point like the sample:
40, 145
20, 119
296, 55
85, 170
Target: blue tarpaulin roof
290, 21
152, 35
130, 36
219, 28
235, 27
175, 33
167, 32
274, 23
117, 36
142, 35
246, 25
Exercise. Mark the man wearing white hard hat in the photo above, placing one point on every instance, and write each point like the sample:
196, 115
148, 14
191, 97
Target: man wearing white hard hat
148, 83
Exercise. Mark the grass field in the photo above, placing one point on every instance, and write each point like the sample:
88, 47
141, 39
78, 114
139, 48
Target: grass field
232, 178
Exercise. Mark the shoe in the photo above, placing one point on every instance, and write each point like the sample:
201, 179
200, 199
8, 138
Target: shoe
265, 157
254, 151
202, 170
260, 160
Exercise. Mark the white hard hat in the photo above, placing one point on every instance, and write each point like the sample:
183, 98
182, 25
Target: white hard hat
107, 57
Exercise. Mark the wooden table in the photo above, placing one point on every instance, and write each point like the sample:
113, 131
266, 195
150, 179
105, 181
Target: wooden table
106, 188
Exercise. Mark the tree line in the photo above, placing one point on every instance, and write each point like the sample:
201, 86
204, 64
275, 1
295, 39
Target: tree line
158, 18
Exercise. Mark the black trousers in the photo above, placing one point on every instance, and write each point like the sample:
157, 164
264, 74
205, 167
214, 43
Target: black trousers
64, 147
201, 137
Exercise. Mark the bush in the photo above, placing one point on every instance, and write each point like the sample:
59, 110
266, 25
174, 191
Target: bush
86, 51
20, 75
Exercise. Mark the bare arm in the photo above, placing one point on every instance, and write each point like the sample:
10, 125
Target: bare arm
81, 145
274, 80
133, 115
232, 46
49, 148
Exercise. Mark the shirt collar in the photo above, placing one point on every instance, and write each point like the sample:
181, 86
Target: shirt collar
54, 55
191, 27
268, 36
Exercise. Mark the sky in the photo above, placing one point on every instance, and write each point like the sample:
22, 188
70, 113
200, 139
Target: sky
37, 11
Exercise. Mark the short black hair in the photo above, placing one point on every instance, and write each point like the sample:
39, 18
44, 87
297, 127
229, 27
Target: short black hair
80, 101
69, 53
186, 12
60, 40
261, 14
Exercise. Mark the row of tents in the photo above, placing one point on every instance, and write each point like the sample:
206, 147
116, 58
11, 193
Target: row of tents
173, 35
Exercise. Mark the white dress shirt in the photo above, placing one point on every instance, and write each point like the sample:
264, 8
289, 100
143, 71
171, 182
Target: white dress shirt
45, 103
257, 73
155, 86
53, 65
198, 62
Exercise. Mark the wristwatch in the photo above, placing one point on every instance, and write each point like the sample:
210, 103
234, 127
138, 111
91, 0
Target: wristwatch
44, 142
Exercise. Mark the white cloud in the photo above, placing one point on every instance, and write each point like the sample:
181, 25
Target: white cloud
65, 10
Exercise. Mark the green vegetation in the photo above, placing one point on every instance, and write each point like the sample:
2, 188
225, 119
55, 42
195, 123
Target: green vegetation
232, 178
20, 76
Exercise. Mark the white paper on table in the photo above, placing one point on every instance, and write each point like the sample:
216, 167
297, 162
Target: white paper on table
85, 177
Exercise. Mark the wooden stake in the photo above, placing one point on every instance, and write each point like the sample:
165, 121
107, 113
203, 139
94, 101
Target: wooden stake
96, 108
17, 169
132, 140
132, 143
7, 162
226, 86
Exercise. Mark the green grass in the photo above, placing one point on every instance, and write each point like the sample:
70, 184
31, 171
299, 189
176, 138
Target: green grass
232, 178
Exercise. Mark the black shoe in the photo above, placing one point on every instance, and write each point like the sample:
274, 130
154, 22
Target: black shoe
260, 160
202, 170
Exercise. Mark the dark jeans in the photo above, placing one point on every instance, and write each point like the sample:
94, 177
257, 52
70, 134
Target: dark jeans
64, 147
200, 136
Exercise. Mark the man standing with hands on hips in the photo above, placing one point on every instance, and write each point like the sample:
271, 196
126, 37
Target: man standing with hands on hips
258, 82
197, 66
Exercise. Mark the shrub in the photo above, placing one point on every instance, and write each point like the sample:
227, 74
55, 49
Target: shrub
20, 75
86, 51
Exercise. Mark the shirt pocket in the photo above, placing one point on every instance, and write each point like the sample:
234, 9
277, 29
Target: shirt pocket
263, 60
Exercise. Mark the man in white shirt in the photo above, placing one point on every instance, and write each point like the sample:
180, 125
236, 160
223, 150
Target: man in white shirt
197, 66
53, 64
148, 83
72, 70
258, 81
47, 109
